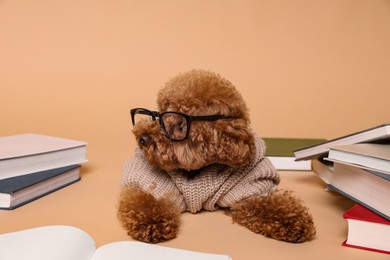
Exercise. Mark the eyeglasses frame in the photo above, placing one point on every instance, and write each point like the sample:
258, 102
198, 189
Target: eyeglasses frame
189, 119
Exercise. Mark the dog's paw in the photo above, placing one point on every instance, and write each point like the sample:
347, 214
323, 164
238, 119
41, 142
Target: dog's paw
146, 218
279, 215
153, 232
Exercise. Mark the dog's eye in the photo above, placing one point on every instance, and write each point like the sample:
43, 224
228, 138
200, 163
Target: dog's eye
178, 130
180, 126
175, 126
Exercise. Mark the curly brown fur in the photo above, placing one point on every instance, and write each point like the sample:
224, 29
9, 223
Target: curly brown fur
146, 218
200, 92
228, 142
279, 215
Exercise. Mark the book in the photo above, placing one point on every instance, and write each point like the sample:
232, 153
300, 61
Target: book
28, 153
280, 152
367, 230
368, 188
20, 190
71, 243
379, 133
370, 156
323, 169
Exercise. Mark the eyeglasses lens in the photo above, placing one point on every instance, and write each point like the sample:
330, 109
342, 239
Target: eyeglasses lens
175, 126
142, 116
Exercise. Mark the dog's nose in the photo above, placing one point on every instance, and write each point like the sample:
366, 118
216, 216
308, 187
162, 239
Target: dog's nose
145, 140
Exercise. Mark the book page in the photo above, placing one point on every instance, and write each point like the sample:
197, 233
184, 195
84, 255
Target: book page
47, 243
70, 243
127, 250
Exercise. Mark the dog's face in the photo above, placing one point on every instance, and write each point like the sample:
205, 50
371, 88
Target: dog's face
176, 141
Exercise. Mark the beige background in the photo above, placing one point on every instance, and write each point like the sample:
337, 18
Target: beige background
74, 69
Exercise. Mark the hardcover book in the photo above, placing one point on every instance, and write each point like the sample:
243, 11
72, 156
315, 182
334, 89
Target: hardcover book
70, 243
367, 230
323, 169
20, 190
379, 133
368, 188
369, 156
281, 152
28, 153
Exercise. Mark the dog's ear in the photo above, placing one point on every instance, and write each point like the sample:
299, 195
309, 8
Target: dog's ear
235, 142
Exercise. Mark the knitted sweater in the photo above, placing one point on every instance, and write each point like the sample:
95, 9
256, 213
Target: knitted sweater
216, 185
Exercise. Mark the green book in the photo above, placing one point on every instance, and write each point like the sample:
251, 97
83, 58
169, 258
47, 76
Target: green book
281, 152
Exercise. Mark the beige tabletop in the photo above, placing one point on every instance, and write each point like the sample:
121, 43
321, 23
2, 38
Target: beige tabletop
91, 205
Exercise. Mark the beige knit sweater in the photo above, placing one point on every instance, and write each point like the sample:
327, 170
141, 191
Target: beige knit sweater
216, 185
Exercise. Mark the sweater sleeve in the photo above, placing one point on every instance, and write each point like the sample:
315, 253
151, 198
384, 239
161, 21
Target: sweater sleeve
137, 171
259, 178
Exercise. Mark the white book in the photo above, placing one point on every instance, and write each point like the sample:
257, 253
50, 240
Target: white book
70, 243
29, 153
368, 156
368, 188
323, 169
289, 164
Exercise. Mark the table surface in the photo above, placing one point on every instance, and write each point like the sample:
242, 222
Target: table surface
91, 205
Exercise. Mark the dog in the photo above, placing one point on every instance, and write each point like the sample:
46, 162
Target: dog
198, 152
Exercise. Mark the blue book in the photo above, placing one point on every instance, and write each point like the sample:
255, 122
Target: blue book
20, 190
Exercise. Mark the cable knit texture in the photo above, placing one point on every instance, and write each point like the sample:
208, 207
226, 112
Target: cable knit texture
213, 186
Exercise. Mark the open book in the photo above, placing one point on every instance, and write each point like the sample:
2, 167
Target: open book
70, 243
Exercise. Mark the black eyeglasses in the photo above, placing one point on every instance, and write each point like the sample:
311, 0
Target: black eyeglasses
175, 125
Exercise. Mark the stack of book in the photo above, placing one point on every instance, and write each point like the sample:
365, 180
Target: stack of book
358, 167
33, 165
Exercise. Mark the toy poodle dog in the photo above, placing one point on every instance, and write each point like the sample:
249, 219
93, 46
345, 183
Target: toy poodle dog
198, 152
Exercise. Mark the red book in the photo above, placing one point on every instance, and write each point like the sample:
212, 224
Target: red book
367, 230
